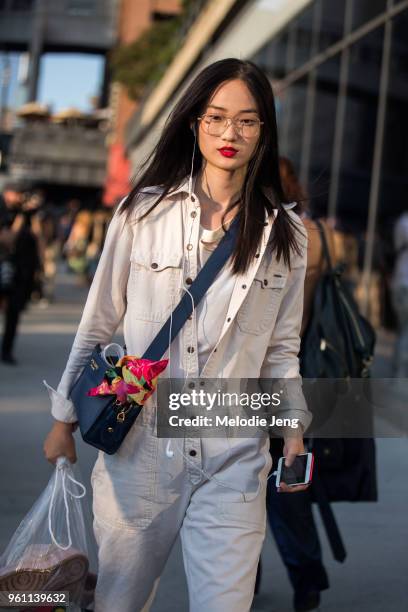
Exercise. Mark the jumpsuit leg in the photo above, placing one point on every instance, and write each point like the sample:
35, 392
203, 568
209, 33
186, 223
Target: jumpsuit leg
12, 315
139, 504
131, 563
223, 532
142, 500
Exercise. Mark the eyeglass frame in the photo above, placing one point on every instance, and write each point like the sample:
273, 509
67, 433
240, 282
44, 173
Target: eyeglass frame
232, 121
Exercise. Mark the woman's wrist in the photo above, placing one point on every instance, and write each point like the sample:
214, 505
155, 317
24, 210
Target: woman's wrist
64, 426
291, 432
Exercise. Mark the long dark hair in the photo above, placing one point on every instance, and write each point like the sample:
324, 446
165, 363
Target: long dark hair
170, 162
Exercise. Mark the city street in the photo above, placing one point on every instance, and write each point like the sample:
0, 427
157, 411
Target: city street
374, 575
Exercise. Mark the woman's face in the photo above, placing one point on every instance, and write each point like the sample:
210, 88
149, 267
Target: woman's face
232, 147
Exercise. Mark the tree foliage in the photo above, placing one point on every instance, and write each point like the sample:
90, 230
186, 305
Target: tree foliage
144, 61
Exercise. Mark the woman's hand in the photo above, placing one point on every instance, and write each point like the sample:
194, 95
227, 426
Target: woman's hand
60, 442
293, 446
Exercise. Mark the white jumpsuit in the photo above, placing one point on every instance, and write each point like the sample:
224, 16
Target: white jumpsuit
210, 490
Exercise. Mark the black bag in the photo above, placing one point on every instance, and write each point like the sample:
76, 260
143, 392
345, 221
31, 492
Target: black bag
347, 468
339, 341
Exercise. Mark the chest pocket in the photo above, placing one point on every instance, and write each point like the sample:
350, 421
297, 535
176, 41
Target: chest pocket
153, 289
258, 311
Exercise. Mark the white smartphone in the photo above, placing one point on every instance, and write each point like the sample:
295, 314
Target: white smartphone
300, 472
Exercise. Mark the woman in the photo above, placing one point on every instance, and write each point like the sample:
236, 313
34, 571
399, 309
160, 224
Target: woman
78, 241
212, 162
19, 249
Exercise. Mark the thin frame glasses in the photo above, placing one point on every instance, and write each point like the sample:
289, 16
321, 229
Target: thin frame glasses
216, 124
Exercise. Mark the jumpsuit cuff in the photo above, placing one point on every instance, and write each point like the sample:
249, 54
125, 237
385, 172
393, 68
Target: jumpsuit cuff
302, 418
62, 409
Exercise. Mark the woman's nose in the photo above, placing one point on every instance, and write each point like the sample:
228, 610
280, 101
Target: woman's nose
231, 132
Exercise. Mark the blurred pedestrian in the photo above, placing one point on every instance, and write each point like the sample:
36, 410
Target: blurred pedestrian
291, 517
347, 244
51, 254
400, 295
100, 221
67, 219
46, 231
19, 246
210, 167
33, 208
77, 243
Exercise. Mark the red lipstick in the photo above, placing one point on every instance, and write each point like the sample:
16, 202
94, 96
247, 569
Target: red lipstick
228, 151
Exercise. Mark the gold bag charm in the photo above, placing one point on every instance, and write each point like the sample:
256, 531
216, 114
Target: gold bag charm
120, 416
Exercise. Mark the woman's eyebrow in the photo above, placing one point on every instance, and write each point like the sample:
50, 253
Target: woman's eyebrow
246, 110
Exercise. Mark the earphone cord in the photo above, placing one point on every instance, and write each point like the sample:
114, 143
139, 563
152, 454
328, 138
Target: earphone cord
170, 330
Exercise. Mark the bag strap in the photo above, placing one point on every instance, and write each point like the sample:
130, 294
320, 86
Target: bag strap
329, 520
318, 297
198, 288
325, 246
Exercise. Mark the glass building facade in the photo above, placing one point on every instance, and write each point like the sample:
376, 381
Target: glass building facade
339, 71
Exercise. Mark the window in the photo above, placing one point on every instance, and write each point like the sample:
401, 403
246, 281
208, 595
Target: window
364, 10
81, 7
291, 125
22, 5
321, 150
332, 22
303, 35
360, 127
272, 57
394, 182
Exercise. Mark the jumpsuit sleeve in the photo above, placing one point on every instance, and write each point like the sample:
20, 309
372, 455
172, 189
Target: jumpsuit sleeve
281, 360
104, 310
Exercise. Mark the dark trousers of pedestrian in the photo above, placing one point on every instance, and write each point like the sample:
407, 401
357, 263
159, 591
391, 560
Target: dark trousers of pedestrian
12, 311
293, 527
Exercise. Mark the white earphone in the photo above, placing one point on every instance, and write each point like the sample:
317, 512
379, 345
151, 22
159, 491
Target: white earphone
169, 452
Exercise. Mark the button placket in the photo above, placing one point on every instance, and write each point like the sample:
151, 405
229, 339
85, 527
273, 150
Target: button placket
190, 350
192, 445
191, 238
190, 272
192, 450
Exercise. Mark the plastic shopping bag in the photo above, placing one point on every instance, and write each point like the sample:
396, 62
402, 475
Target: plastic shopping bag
49, 550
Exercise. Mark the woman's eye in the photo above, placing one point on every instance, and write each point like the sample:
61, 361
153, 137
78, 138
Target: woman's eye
215, 118
247, 122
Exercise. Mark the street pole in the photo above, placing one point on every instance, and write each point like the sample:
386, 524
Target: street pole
35, 48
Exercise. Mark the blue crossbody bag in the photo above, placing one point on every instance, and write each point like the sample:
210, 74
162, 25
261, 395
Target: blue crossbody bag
102, 421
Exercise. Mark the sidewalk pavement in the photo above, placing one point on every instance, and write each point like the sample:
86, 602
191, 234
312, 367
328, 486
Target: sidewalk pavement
374, 576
